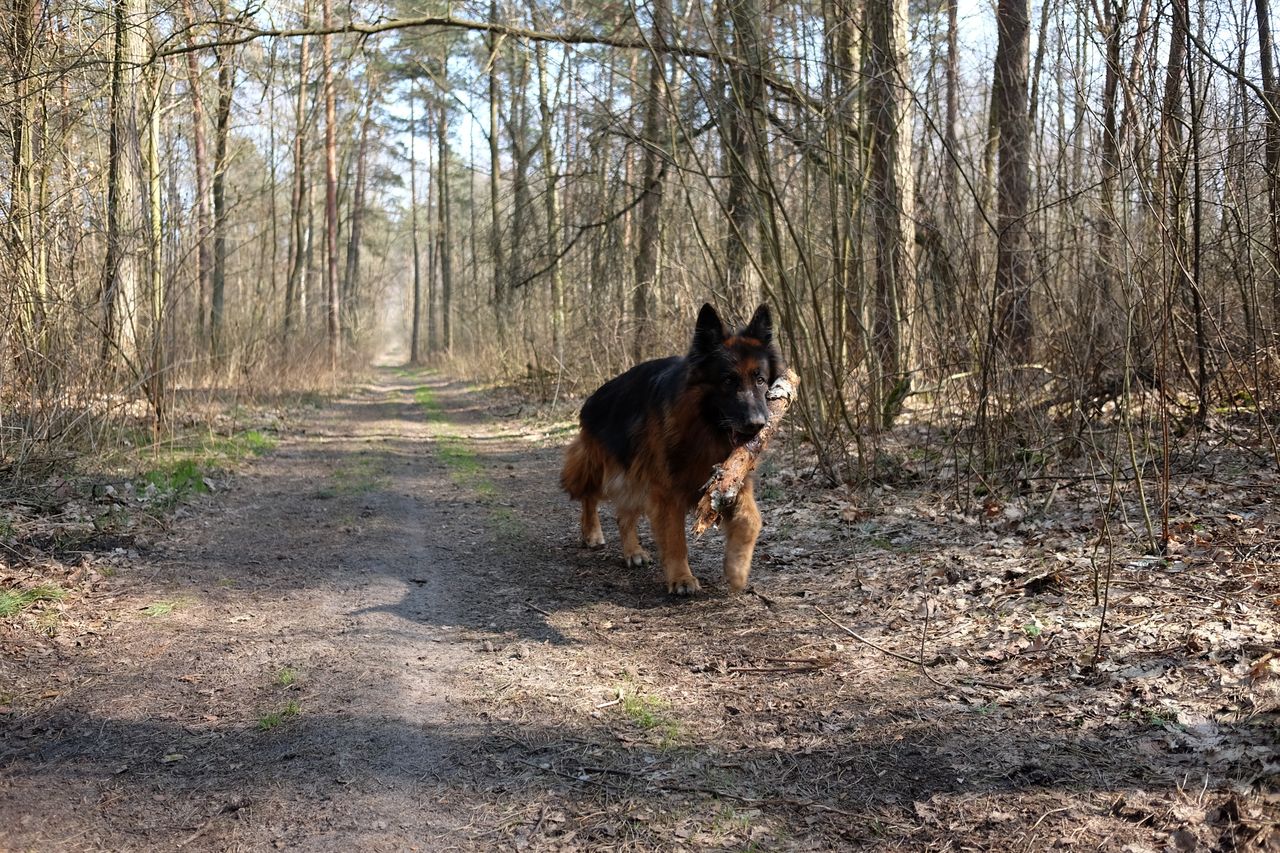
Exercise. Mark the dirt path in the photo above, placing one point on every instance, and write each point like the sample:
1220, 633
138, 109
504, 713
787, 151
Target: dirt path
384, 637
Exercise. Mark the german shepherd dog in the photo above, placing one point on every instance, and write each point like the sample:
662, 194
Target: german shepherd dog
650, 438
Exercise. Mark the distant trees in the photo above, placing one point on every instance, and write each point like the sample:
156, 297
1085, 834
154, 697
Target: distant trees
1090, 208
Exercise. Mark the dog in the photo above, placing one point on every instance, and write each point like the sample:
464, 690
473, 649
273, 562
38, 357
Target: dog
648, 441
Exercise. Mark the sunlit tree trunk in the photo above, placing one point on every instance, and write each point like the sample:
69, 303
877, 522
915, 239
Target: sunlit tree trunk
891, 198
415, 350
25, 247
124, 221
331, 194
1271, 92
156, 381
443, 230
221, 133
743, 136
654, 134
295, 284
1097, 297
495, 178
351, 276
1014, 329
551, 205
199, 145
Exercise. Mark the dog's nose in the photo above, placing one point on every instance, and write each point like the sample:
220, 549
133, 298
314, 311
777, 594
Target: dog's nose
754, 426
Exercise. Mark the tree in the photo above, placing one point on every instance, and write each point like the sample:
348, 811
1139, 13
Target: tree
119, 292
1271, 121
221, 135
891, 200
295, 284
1012, 304
333, 308
200, 150
415, 323
652, 138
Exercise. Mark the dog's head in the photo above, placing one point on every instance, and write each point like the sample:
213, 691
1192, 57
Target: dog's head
734, 371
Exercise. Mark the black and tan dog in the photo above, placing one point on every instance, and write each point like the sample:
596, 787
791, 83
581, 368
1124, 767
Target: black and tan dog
651, 436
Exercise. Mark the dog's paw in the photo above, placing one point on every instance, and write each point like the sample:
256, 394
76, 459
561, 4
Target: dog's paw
636, 560
684, 586
594, 539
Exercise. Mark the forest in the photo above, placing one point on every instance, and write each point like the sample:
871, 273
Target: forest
298, 304
968, 216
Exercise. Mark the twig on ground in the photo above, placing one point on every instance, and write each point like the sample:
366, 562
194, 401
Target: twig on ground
923, 670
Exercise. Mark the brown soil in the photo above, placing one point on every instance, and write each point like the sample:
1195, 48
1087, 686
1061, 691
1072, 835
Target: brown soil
464, 676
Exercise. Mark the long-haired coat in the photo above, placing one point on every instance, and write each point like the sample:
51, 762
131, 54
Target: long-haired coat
650, 438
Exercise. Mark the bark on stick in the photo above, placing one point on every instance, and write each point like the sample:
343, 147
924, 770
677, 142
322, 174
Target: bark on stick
721, 491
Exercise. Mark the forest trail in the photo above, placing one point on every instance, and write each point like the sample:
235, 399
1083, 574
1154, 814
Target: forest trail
383, 636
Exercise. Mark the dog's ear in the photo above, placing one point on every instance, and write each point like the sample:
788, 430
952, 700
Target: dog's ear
761, 326
708, 334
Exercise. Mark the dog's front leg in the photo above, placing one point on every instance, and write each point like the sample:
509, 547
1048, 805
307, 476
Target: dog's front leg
740, 533
667, 514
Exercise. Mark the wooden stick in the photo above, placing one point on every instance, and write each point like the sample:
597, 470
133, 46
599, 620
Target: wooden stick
721, 491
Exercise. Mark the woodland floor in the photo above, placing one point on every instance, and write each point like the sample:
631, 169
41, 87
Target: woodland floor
383, 635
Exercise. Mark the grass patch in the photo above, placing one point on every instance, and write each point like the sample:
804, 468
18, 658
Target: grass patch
14, 601
357, 477
287, 676
652, 715
271, 720
242, 445
466, 470
182, 468
159, 608
177, 479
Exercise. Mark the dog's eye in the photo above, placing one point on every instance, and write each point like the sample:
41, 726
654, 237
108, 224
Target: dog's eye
730, 381
759, 379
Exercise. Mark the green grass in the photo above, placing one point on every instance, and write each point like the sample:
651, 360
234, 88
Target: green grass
159, 608
241, 445
181, 469
14, 601
7, 530
271, 720
651, 714
465, 468
177, 479
357, 477
287, 676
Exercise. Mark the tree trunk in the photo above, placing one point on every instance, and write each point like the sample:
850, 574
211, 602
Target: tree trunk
415, 351
654, 137
222, 127
30, 284
742, 138
124, 220
551, 204
443, 235
1096, 300
1271, 91
295, 284
331, 194
203, 257
495, 177
1013, 332
891, 199
157, 369
351, 276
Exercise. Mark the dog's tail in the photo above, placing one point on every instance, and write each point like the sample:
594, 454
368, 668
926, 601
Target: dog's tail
583, 473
